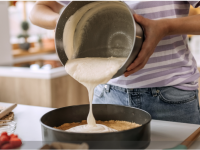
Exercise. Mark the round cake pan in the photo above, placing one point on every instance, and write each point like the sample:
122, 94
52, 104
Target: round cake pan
109, 33
137, 138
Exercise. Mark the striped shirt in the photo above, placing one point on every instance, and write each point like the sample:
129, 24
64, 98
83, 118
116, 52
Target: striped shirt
172, 63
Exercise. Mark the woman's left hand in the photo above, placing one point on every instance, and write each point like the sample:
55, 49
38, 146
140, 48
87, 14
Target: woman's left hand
154, 31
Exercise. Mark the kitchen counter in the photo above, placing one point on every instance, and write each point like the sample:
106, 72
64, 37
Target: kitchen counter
40, 87
164, 134
23, 72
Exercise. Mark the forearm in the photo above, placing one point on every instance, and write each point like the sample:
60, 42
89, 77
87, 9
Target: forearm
184, 25
45, 14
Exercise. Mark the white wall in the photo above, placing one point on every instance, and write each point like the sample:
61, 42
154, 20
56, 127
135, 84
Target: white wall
5, 46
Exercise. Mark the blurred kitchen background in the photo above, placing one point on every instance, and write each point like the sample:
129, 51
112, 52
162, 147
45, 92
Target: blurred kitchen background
30, 71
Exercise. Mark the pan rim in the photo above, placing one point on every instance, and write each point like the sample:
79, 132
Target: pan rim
118, 132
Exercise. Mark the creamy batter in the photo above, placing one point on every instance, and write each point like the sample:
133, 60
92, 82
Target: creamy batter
74, 27
99, 128
88, 71
91, 72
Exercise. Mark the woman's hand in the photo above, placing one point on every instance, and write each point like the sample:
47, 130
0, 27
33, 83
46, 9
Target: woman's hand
154, 31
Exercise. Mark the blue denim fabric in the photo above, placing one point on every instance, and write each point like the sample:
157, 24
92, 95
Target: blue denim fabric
163, 103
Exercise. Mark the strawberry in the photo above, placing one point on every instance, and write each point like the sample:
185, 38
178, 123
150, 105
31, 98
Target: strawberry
15, 142
7, 146
4, 133
4, 138
1, 143
13, 135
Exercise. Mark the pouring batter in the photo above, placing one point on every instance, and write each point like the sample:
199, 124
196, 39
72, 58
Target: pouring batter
91, 72
88, 71
163, 80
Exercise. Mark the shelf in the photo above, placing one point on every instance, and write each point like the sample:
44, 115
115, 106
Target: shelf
31, 51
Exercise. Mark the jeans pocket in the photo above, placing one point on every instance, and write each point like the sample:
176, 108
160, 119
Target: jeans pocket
99, 90
176, 96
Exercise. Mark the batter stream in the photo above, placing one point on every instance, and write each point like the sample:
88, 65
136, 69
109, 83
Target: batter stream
91, 72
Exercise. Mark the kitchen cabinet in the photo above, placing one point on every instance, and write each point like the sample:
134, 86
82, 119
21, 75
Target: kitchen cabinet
47, 88
57, 92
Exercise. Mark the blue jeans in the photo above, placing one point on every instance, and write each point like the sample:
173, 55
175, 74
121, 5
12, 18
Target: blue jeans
163, 103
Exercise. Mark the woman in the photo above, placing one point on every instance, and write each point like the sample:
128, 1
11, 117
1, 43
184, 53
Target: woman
163, 80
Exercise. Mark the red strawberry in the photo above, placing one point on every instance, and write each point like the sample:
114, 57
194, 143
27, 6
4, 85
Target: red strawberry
15, 142
4, 138
4, 133
7, 146
13, 135
1, 143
